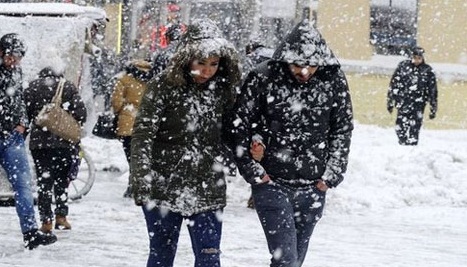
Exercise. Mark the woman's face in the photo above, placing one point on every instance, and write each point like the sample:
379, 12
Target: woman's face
204, 69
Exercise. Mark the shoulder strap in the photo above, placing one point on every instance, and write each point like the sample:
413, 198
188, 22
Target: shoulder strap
57, 99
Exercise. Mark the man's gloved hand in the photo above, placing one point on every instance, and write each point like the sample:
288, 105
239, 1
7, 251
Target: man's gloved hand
141, 195
390, 109
432, 115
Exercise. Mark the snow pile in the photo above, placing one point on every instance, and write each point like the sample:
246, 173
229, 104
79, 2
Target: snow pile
398, 206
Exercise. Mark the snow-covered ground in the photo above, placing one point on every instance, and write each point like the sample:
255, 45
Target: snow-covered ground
398, 206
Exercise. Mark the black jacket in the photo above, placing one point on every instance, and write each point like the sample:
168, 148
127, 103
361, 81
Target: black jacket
12, 108
306, 127
412, 87
41, 92
177, 147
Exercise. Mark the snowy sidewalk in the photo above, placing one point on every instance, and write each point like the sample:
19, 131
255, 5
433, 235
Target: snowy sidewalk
397, 207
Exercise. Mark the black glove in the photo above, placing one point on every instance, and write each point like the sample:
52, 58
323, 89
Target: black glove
432, 116
140, 194
390, 108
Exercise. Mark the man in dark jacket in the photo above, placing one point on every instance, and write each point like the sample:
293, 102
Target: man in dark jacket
297, 106
13, 123
412, 85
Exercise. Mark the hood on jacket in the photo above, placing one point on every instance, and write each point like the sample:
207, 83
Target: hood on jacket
305, 46
139, 69
50, 72
203, 39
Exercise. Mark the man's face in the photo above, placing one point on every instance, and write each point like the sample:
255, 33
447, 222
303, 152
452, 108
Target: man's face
302, 73
417, 60
11, 61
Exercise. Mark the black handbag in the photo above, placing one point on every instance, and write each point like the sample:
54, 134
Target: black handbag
106, 125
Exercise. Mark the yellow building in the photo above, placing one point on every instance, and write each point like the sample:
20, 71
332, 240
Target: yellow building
346, 27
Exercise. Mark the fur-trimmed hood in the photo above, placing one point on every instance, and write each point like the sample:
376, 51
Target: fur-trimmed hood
202, 40
305, 46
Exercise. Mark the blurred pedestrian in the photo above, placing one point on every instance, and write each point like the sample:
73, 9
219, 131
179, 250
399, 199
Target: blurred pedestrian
256, 52
162, 58
54, 157
412, 86
178, 152
13, 155
103, 64
126, 99
295, 107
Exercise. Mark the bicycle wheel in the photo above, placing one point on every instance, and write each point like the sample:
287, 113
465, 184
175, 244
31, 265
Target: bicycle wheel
80, 186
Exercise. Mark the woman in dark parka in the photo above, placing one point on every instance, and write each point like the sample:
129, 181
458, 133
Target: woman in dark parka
178, 154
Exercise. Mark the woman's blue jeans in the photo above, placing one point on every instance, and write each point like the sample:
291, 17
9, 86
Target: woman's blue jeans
288, 217
164, 230
14, 159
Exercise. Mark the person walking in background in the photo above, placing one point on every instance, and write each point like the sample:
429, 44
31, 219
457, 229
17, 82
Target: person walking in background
53, 156
126, 99
255, 52
298, 106
13, 155
412, 86
162, 58
178, 153
104, 64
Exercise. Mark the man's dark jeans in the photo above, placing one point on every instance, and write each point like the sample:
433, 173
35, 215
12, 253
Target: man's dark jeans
164, 230
288, 216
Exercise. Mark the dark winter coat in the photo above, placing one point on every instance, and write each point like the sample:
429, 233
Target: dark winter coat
411, 88
12, 108
39, 93
162, 59
306, 127
177, 147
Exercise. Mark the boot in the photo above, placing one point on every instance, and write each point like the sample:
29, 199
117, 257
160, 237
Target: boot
32, 239
61, 223
46, 227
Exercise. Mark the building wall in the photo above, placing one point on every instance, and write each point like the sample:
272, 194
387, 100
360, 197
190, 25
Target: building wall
441, 30
346, 27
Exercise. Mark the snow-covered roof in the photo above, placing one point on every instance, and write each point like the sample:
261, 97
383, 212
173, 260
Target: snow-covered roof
51, 9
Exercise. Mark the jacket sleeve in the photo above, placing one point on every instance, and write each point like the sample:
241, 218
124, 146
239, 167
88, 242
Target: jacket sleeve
247, 112
77, 107
432, 92
394, 86
118, 97
341, 126
145, 130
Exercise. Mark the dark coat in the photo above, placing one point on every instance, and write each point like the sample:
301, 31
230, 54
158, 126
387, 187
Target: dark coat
177, 147
162, 59
306, 127
39, 93
12, 108
412, 87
